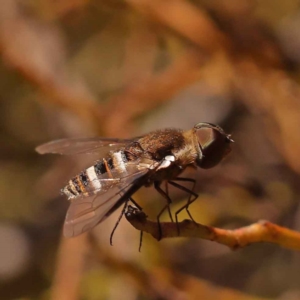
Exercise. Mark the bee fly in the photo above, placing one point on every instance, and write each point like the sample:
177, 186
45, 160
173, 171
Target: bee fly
127, 165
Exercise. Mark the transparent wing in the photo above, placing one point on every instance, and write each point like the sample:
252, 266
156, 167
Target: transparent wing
106, 181
86, 212
81, 145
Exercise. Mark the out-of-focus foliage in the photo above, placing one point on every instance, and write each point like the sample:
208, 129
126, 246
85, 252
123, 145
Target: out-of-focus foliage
120, 69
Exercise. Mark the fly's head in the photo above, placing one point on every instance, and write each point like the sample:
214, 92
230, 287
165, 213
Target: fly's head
213, 144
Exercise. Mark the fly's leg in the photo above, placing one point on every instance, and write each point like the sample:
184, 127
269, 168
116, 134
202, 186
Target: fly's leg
141, 232
134, 203
167, 187
118, 222
165, 194
120, 217
141, 240
193, 196
167, 206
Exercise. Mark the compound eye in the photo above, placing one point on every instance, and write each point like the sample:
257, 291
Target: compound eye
205, 137
214, 145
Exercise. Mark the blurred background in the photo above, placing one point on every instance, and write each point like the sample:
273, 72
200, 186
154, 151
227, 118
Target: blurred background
120, 68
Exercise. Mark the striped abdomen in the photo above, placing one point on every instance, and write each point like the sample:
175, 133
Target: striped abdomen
97, 177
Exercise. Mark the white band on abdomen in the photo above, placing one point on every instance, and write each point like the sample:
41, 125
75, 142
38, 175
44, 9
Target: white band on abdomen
118, 161
94, 181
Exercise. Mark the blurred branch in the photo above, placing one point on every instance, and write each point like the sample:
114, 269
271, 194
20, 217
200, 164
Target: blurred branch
37, 51
186, 19
70, 263
54, 10
142, 278
150, 93
262, 231
165, 283
272, 95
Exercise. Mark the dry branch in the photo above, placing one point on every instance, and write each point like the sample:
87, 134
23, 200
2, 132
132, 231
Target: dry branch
185, 19
163, 282
262, 231
37, 52
70, 265
150, 93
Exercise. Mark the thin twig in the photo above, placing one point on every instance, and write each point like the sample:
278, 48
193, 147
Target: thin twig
262, 231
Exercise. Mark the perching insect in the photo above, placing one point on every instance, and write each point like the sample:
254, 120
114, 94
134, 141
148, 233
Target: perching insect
158, 156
